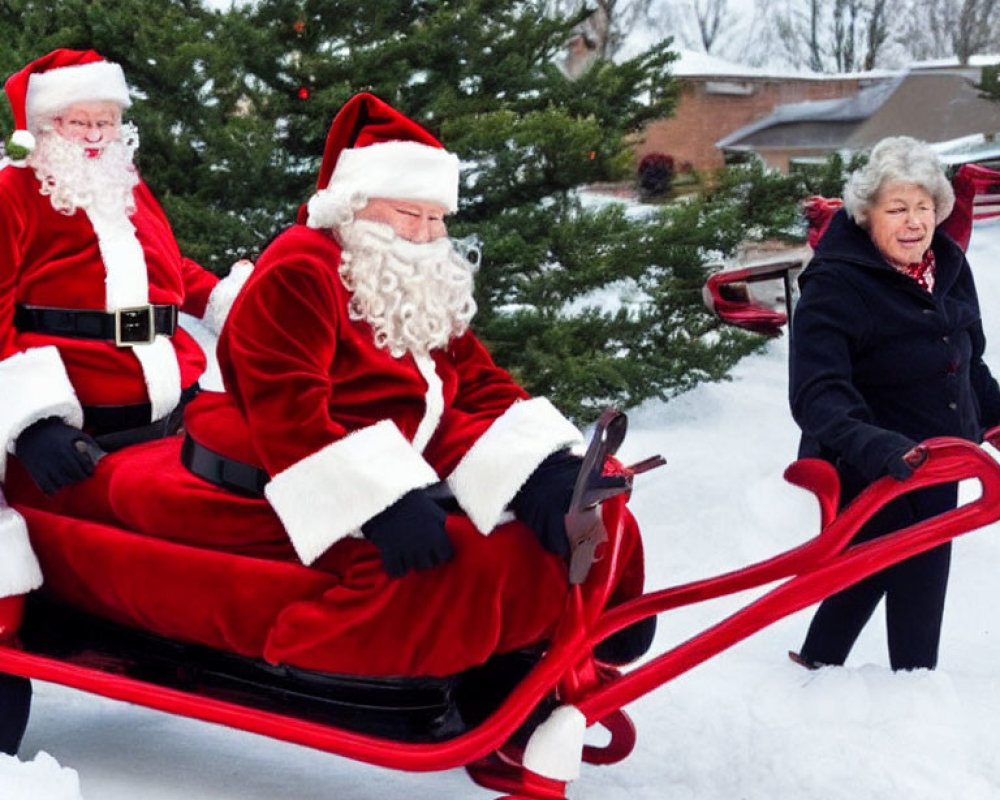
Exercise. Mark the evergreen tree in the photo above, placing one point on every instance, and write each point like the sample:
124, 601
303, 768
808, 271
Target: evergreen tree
205, 161
990, 85
234, 109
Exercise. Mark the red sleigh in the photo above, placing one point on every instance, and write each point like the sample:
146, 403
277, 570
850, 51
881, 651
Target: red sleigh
555, 694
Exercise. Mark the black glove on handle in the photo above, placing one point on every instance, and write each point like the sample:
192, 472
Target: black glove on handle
410, 534
543, 501
902, 464
55, 454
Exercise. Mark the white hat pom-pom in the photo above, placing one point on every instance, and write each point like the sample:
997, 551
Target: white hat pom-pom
23, 139
19, 145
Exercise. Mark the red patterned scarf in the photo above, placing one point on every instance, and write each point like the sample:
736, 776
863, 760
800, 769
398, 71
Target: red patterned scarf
922, 271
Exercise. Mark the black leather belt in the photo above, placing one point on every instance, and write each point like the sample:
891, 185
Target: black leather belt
115, 427
124, 327
236, 476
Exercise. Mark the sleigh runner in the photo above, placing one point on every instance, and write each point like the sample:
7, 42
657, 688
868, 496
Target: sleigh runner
518, 722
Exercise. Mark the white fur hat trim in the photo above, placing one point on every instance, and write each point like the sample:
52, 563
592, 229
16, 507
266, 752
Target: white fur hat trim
51, 91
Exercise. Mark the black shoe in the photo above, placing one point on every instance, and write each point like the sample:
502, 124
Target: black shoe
626, 645
803, 662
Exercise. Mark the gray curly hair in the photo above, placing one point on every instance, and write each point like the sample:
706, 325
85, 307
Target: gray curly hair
903, 159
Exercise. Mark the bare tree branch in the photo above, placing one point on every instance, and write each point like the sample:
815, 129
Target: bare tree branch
712, 17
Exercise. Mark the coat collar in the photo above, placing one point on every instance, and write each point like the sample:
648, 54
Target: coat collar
846, 241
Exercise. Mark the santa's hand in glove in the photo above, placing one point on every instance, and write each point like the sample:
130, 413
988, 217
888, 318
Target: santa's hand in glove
410, 534
543, 501
55, 454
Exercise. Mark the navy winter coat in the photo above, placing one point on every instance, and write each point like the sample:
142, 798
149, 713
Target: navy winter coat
877, 363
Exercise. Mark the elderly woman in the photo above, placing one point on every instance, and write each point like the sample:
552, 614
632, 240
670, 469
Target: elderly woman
887, 350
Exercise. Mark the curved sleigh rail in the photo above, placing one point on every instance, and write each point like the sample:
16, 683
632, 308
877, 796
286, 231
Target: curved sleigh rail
728, 294
814, 570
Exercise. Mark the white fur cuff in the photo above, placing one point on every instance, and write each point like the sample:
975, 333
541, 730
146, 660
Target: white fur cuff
19, 568
329, 494
555, 749
34, 385
496, 466
222, 296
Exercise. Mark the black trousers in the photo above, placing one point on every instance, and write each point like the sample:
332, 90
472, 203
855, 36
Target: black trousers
15, 705
914, 592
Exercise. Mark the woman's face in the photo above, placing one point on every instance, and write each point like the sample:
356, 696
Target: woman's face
901, 222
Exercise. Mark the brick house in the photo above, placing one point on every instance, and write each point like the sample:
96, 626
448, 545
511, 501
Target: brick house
937, 105
718, 97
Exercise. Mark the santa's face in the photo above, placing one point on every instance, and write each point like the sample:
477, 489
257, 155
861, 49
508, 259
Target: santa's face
74, 178
416, 296
93, 125
416, 221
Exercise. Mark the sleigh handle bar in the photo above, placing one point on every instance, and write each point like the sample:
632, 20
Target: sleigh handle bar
817, 574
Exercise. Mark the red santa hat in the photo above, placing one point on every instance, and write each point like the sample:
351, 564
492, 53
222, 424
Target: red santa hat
55, 81
372, 150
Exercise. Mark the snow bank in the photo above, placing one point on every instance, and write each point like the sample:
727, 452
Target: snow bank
39, 779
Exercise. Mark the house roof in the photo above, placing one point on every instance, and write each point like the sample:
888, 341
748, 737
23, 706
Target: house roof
934, 106
969, 148
808, 119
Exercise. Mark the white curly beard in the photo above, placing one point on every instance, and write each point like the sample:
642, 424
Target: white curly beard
73, 180
416, 297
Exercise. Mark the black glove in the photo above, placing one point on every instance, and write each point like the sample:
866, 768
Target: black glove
56, 454
543, 501
410, 534
902, 463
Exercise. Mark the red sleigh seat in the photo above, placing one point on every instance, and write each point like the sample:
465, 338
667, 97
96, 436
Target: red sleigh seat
176, 590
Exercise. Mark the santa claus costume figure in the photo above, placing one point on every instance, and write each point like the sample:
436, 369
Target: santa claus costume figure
365, 431
91, 280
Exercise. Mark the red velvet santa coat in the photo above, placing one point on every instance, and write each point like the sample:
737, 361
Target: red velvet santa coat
83, 261
344, 428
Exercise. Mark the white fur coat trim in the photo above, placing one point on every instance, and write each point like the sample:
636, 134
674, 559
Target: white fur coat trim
330, 493
496, 466
126, 285
555, 749
34, 385
433, 402
19, 568
126, 281
161, 373
222, 296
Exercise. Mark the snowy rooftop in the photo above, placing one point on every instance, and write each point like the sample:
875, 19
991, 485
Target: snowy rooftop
693, 63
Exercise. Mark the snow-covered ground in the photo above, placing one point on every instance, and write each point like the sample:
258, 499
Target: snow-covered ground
746, 725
